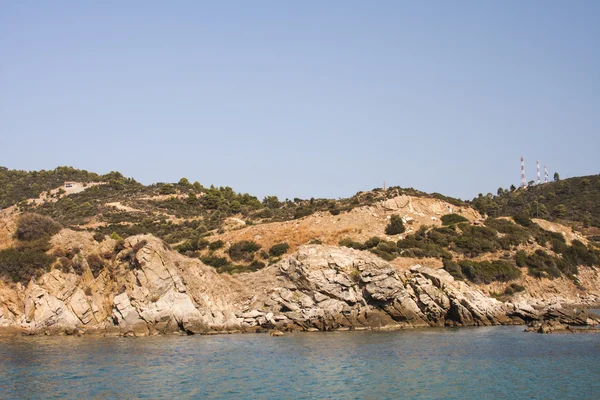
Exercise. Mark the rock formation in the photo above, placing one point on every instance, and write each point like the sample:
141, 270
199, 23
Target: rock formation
148, 289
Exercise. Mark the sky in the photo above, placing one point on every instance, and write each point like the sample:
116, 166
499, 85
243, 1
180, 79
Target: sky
303, 99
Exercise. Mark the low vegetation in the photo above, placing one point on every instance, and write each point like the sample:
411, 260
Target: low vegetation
396, 226
28, 258
573, 200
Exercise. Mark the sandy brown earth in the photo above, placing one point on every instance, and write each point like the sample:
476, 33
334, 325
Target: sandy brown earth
566, 231
359, 224
7, 227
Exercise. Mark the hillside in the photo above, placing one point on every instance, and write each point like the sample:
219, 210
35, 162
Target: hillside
87, 236
573, 201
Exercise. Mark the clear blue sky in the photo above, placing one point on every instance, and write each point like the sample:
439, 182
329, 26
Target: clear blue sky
303, 99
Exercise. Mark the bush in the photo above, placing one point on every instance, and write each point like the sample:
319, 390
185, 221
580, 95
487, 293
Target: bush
514, 234
388, 247
95, 263
279, 249
372, 242
192, 245
523, 220
347, 242
215, 262
217, 244
396, 226
541, 264
453, 269
513, 288
99, 237
34, 226
243, 250
452, 219
22, 264
488, 272
383, 254
476, 240
116, 236
303, 212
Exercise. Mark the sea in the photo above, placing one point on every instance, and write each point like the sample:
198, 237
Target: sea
501, 362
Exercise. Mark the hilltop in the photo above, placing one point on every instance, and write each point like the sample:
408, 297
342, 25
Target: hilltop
572, 201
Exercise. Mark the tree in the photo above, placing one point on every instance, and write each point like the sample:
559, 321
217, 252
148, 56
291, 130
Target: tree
184, 182
512, 188
235, 206
271, 202
500, 191
556, 177
167, 189
198, 186
192, 198
560, 210
396, 226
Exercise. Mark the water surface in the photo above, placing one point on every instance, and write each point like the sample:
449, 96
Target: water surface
494, 362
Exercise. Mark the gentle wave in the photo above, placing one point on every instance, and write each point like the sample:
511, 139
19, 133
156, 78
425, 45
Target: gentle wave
489, 362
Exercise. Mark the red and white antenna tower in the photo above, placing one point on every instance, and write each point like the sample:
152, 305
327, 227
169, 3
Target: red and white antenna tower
538, 173
522, 172
545, 174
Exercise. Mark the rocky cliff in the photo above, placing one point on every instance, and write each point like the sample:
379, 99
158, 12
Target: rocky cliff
146, 288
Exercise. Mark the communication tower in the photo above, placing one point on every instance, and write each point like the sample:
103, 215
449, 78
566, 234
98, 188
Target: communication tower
523, 182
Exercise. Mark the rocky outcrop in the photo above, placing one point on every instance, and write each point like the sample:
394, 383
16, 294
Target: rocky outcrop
331, 288
560, 320
147, 289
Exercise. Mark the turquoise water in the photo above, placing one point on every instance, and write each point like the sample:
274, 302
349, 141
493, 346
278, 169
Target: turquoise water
494, 362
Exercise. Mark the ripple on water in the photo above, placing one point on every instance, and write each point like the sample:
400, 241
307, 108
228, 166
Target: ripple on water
495, 362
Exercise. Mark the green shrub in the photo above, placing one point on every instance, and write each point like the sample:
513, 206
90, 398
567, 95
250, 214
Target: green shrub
513, 288
214, 261
279, 249
303, 212
558, 246
452, 219
193, 245
372, 242
243, 250
396, 226
34, 226
453, 269
521, 259
383, 254
523, 220
217, 244
388, 247
476, 240
116, 236
264, 213
488, 272
256, 265
22, 264
347, 242
542, 264
514, 234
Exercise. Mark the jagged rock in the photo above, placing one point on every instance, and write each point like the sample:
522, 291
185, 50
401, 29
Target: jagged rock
150, 289
80, 305
44, 311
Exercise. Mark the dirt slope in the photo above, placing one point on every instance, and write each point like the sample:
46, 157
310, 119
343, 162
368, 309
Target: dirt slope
359, 224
